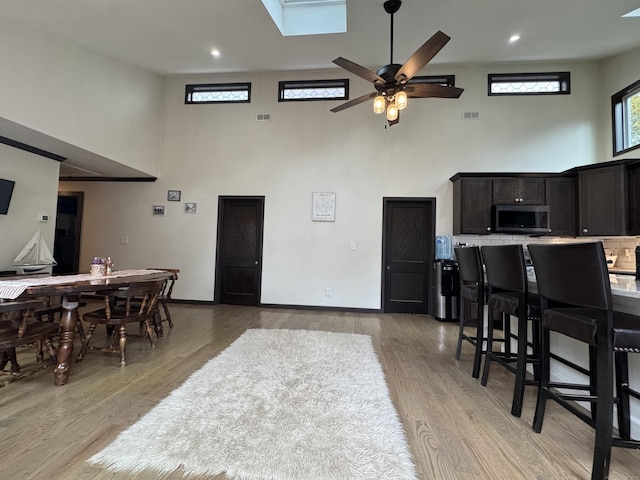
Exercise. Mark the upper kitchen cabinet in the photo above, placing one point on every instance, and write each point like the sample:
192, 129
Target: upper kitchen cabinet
633, 182
562, 199
603, 200
471, 205
519, 190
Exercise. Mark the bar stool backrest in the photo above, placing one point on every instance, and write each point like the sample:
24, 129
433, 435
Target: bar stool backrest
573, 273
506, 269
469, 264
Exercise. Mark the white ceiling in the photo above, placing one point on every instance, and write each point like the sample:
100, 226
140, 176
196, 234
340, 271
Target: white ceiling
176, 37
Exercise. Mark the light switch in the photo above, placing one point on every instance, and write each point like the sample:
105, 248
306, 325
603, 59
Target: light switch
352, 245
124, 240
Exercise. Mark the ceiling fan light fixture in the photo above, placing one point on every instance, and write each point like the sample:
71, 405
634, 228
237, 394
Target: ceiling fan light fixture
392, 112
379, 104
401, 100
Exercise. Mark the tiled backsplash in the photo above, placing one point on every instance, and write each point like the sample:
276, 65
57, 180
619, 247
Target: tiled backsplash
623, 247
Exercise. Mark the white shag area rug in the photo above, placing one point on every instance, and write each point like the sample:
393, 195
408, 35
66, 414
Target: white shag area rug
276, 405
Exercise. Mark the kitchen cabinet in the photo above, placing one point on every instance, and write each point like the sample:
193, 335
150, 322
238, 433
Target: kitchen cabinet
472, 202
633, 182
562, 199
519, 190
603, 201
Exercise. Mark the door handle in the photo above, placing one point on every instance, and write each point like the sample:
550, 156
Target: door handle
256, 262
388, 267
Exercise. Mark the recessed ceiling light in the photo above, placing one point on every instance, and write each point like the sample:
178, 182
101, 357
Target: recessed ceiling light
215, 52
633, 13
514, 38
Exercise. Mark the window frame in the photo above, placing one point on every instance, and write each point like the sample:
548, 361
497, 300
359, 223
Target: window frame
289, 84
563, 77
445, 80
619, 119
192, 88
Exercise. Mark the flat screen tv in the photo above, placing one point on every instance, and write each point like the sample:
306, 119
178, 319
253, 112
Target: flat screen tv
6, 190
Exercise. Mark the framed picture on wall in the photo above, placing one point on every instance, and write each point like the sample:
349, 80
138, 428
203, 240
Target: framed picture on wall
158, 209
189, 208
173, 195
323, 207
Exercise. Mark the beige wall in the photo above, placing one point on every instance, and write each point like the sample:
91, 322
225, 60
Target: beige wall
85, 99
212, 150
618, 72
35, 192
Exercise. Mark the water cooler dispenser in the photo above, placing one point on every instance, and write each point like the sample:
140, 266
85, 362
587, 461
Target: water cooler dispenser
445, 281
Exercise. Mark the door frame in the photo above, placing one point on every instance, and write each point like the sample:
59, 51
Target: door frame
222, 199
430, 202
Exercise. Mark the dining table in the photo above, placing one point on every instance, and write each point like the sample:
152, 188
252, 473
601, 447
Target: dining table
69, 288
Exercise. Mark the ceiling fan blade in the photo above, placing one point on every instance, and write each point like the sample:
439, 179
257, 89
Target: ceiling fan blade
421, 57
358, 70
427, 90
354, 102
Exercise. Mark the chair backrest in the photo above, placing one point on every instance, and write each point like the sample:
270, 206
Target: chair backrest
167, 289
140, 298
573, 273
15, 309
505, 267
469, 264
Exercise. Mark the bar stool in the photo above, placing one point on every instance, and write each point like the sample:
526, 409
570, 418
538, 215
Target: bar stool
508, 294
472, 290
576, 276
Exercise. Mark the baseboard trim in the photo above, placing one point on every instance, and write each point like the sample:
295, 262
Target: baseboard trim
288, 307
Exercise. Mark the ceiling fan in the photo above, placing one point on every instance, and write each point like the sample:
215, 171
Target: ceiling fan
392, 81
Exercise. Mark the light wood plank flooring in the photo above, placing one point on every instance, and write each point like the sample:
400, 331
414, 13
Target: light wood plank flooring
456, 428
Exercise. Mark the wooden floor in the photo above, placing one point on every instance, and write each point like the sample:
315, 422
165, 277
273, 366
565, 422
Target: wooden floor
456, 428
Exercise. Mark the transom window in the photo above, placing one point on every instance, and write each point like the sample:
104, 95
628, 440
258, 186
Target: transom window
218, 93
529, 83
444, 80
626, 119
305, 90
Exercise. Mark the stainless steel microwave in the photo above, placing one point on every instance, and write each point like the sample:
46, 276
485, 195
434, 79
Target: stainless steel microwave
523, 219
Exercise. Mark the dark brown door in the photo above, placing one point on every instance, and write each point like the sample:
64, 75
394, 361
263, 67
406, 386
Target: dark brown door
408, 251
239, 255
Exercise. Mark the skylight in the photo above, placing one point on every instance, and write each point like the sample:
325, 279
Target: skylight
632, 13
308, 17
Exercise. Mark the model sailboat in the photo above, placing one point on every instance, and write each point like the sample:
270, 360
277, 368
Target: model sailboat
35, 256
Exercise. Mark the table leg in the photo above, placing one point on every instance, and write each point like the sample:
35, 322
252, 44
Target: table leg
68, 320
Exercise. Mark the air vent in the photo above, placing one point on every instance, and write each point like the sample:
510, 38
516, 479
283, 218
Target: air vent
263, 117
471, 115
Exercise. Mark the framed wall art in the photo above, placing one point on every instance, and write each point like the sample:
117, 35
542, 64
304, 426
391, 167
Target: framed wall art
173, 195
323, 207
190, 208
158, 209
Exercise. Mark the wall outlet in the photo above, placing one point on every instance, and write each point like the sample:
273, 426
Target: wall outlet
43, 217
327, 292
124, 240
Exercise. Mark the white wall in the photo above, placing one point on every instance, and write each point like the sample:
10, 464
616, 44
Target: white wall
35, 192
81, 97
618, 72
212, 150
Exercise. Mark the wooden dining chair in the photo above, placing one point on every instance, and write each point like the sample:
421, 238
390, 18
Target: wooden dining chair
165, 294
138, 303
19, 326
